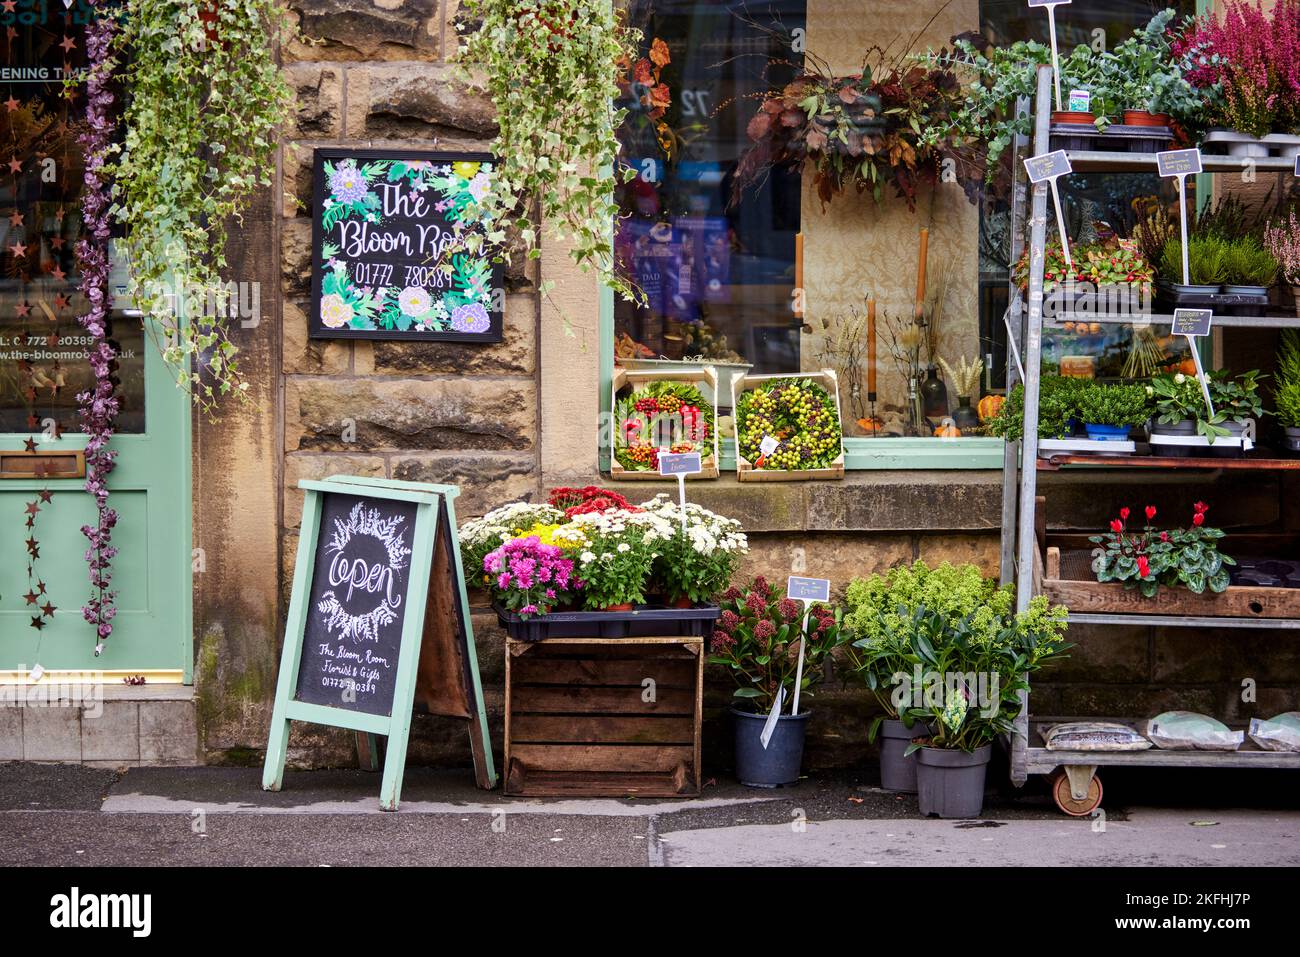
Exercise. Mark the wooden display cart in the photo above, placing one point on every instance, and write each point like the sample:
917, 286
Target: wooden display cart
592, 717
1037, 568
745, 471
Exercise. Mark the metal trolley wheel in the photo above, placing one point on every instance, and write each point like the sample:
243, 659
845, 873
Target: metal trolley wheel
1065, 800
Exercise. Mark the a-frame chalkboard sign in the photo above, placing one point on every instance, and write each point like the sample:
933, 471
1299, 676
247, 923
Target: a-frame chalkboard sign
378, 623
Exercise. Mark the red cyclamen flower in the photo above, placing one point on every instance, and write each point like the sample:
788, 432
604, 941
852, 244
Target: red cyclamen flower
1116, 526
1123, 513
1144, 566
1198, 519
1151, 513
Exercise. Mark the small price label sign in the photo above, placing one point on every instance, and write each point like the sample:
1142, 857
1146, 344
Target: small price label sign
808, 589
766, 448
1297, 165
1048, 166
680, 463
1179, 163
1048, 3
1192, 322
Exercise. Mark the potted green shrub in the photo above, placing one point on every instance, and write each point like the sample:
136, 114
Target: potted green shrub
1286, 387
1181, 410
757, 639
1249, 268
881, 650
1108, 412
1148, 79
1207, 258
975, 669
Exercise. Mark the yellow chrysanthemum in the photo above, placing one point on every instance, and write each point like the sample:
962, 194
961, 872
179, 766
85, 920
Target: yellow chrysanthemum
465, 170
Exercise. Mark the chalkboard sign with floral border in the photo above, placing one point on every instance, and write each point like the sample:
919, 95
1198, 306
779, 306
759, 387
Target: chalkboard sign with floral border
386, 260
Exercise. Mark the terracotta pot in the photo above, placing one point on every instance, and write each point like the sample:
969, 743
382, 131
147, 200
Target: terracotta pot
623, 606
1145, 118
1067, 116
681, 603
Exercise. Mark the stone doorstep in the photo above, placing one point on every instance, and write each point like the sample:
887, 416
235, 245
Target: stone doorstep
123, 726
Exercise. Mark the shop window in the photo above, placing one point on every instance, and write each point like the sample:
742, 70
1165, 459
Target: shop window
769, 278
42, 346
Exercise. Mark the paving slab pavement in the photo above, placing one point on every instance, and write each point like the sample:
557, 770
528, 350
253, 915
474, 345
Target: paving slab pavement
68, 815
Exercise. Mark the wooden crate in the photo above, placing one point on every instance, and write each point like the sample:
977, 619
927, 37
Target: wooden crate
578, 724
1068, 580
705, 379
745, 471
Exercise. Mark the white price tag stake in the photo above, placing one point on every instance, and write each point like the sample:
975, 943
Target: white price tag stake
769, 726
1048, 168
806, 590
1051, 6
680, 464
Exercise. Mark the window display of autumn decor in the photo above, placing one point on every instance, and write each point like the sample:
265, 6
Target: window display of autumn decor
662, 417
862, 131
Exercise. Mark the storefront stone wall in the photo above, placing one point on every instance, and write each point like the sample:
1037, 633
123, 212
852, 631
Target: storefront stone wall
507, 421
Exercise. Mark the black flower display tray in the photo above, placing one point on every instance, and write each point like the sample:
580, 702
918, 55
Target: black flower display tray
643, 621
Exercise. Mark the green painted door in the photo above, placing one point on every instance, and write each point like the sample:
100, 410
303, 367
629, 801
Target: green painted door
150, 490
43, 367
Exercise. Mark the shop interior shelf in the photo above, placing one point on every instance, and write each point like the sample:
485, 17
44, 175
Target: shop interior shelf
1056, 461
1096, 161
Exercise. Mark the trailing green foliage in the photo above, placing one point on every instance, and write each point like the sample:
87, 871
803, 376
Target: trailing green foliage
205, 100
552, 68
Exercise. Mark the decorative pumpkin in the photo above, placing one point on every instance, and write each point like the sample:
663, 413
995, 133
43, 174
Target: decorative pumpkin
989, 406
947, 432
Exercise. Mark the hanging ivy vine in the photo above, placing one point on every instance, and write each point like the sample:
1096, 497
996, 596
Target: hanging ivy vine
205, 99
552, 69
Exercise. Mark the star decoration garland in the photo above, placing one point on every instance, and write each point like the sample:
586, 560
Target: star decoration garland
35, 586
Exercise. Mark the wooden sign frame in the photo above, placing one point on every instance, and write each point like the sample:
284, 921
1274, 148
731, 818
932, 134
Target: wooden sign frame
437, 664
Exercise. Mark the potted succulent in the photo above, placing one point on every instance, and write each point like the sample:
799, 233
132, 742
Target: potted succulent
882, 652
975, 669
1108, 412
695, 565
757, 639
1283, 240
1286, 387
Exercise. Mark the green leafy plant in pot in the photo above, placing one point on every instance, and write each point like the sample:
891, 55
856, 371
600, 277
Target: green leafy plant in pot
757, 640
975, 671
879, 609
1286, 387
1110, 411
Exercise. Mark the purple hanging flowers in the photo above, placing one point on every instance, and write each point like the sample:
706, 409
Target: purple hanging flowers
98, 407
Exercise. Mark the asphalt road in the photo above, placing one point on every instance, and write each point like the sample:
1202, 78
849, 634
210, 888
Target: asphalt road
68, 816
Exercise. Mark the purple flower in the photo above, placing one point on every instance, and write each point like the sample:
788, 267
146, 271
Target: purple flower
470, 318
347, 185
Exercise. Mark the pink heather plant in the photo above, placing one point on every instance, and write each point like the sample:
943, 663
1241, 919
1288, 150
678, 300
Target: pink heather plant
1247, 63
1283, 240
528, 576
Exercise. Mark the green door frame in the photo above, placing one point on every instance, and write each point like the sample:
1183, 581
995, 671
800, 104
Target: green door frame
157, 463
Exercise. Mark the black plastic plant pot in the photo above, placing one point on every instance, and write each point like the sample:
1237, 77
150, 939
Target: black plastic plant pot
641, 622
776, 765
950, 783
897, 768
